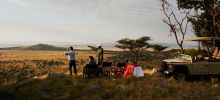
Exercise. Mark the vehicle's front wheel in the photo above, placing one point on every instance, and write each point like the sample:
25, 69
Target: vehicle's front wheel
180, 76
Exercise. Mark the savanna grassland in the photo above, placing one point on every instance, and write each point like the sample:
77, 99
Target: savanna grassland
17, 66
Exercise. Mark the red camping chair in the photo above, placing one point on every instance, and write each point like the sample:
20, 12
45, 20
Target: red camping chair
128, 71
119, 70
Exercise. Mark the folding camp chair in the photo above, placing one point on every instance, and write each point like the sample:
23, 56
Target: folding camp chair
128, 72
106, 68
90, 72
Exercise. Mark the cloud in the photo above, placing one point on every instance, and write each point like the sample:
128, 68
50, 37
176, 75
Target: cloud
99, 9
103, 20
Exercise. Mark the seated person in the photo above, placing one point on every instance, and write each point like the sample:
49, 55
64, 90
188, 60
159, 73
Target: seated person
91, 66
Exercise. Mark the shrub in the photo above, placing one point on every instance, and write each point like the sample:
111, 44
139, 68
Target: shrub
191, 52
126, 55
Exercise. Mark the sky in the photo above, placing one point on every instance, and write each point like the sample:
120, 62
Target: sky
81, 21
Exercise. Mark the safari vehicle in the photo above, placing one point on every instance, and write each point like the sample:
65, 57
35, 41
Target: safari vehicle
184, 66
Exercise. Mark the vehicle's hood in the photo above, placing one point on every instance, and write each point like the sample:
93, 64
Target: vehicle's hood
175, 60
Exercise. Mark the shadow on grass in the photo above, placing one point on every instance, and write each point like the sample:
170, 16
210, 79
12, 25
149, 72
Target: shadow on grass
148, 87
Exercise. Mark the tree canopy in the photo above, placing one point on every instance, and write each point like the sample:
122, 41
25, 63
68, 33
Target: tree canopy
158, 48
134, 45
205, 18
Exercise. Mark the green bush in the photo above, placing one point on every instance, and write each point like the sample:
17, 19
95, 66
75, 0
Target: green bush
194, 52
191, 52
126, 55
174, 54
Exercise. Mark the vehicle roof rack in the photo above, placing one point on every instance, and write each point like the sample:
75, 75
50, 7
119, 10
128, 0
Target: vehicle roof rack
203, 39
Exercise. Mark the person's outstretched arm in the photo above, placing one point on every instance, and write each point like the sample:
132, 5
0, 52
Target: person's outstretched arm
66, 52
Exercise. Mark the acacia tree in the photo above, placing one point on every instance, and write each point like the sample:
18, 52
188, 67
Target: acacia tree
133, 45
178, 28
205, 19
158, 48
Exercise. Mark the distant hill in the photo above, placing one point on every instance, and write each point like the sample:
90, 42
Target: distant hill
36, 47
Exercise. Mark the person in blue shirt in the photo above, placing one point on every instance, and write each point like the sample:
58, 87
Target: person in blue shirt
72, 63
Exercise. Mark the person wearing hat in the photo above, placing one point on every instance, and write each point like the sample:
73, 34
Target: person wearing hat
99, 54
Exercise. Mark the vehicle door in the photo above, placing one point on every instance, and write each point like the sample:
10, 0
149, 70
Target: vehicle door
200, 67
214, 67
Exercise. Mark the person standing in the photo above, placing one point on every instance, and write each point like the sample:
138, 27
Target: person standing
99, 54
72, 63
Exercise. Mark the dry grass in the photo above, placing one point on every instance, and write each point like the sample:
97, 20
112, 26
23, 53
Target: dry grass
150, 87
24, 64
146, 88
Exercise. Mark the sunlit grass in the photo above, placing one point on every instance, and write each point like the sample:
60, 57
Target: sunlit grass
22, 65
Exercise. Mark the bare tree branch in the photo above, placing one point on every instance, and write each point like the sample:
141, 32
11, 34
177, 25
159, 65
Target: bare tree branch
177, 30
